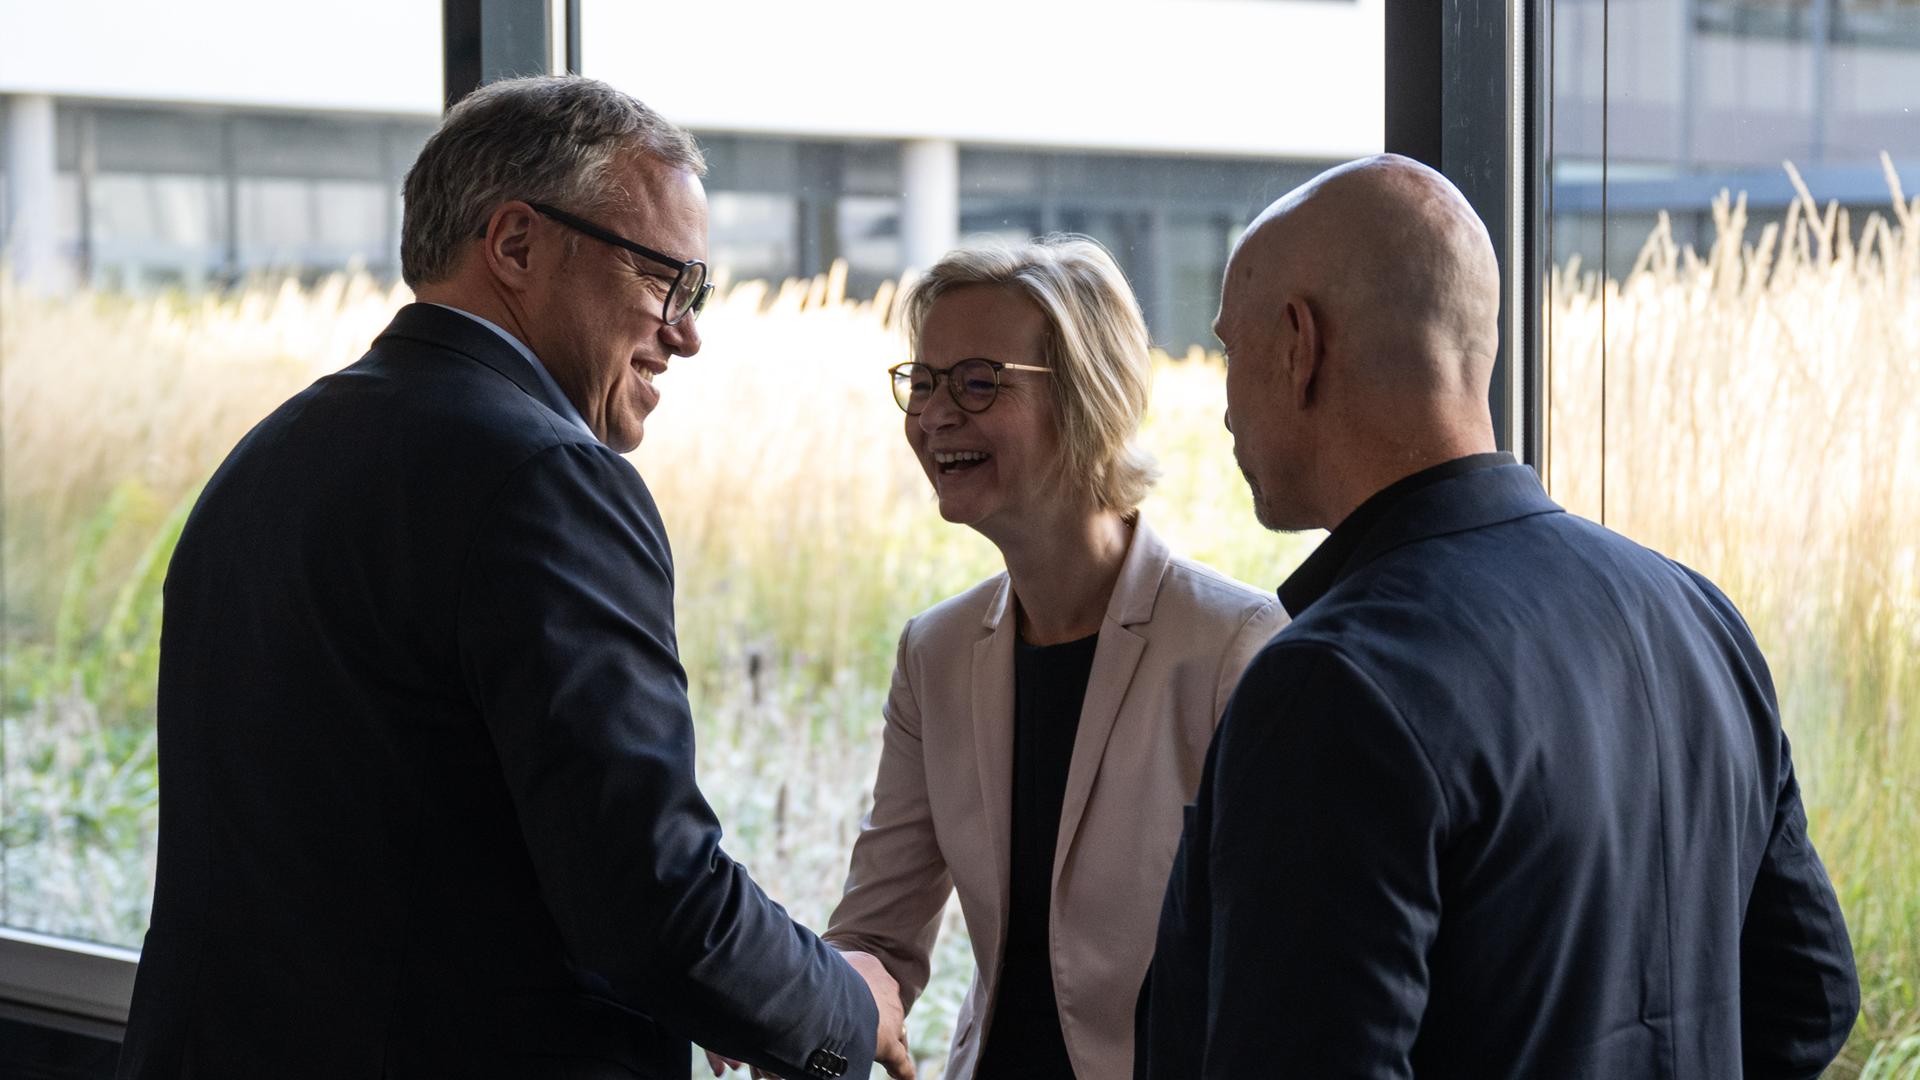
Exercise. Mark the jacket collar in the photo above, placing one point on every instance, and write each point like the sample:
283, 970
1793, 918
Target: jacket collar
1461, 495
437, 327
1133, 592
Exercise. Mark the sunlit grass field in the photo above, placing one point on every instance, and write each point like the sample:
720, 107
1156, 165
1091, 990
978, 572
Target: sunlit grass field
1761, 423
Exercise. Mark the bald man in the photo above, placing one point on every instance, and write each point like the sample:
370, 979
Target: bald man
1509, 797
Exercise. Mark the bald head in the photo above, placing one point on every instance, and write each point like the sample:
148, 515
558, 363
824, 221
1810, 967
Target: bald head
1399, 266
1363, 312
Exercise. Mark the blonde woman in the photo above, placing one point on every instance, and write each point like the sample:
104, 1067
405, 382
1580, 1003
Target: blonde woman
1045, 727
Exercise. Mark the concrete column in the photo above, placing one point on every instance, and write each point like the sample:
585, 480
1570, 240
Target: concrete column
930, 200
32, 244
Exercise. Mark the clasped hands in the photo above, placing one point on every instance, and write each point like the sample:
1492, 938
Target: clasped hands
890, 1042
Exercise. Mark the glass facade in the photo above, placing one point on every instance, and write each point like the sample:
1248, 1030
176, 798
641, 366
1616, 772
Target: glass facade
197, 247
1730, 382
1658, 105
1170, 221
203, 241
1730, 357
156, 197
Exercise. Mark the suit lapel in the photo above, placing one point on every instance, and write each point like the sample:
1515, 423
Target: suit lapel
1115, 659
992, 685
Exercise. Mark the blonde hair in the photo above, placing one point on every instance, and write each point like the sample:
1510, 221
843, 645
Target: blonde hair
1096, 344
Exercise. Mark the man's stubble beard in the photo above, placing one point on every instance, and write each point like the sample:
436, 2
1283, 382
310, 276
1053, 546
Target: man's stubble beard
1261, 512
1263, 509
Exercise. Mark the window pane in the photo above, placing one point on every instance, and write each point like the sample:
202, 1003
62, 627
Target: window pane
276, 217
840, 134
149, 228
1731, 360
752, 234
778, 460
119, 400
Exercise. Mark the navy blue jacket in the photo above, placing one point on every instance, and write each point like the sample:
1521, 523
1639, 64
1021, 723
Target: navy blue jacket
1509, 799
426, 763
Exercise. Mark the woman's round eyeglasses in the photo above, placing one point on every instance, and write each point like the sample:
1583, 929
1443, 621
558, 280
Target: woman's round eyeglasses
973, 383
690, 288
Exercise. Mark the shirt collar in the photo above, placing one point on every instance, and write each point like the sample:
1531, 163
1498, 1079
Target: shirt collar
564, 405
1322, 568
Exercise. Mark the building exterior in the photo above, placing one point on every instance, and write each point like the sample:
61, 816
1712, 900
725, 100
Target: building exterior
1685, 98
196, 143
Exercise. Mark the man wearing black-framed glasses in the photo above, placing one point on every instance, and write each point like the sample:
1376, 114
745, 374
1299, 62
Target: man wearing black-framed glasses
430, 806
598, 322
687, 290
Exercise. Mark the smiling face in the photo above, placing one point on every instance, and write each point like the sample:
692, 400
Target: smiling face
998, 470
597, 318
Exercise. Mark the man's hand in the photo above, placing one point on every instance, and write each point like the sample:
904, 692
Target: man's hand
890, 1044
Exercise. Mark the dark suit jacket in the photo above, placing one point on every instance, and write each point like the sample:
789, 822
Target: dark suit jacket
1510, 799
427, 774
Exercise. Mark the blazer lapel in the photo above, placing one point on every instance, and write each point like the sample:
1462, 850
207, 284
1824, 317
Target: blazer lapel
992, 686
1114, 660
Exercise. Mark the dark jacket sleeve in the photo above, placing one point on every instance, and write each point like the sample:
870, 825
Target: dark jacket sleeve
1799, 994
1327, 827
567, 645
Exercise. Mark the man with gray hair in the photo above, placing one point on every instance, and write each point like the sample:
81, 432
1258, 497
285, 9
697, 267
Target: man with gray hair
427, 766
1509, 797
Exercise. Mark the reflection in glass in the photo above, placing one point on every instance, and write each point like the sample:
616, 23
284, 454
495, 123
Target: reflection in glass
1731, 359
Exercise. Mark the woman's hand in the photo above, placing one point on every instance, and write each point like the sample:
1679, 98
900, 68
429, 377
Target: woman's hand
721, 1065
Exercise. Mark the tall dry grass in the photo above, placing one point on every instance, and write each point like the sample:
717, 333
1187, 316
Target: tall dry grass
1759, 425
112, 411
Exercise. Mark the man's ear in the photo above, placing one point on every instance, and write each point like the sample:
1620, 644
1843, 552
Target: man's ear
508, 245
1304, 352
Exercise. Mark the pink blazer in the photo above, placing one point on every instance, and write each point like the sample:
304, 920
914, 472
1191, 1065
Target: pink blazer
1172, 645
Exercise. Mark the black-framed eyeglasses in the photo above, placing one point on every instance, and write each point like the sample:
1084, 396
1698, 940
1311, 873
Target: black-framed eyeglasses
690, 288
974, 383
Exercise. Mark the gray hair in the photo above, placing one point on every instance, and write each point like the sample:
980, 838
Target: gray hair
1096, 346
551, 139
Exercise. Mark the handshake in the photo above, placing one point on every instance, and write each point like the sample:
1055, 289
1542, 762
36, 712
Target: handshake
890, 1042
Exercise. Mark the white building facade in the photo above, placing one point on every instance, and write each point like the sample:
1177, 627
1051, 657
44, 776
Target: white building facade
198, 143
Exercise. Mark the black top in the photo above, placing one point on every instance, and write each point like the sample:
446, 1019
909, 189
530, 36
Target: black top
1322, 568
1509, 798
428, 762
1049, 685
